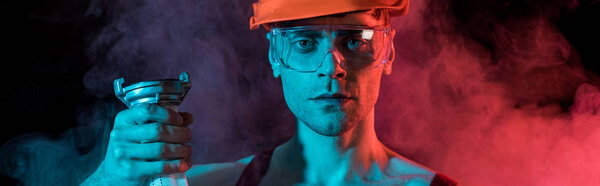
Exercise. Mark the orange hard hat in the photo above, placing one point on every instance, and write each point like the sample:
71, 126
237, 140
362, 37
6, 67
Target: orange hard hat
270, 11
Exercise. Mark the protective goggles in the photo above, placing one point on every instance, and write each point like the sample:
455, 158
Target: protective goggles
304, 48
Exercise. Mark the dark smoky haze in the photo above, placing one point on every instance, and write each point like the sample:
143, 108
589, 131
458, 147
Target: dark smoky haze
488, 92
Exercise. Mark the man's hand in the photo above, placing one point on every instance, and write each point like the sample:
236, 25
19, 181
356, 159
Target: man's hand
146, 140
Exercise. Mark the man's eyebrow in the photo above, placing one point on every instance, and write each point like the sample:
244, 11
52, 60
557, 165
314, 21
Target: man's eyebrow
306, 33
349, 32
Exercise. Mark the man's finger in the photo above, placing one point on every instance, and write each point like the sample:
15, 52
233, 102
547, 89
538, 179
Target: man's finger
155, 151
187, 118
153, 132
146, 113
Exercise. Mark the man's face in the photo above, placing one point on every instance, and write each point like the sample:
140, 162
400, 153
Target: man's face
331, 100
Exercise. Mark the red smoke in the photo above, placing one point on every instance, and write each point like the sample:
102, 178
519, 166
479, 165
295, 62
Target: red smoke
485, 95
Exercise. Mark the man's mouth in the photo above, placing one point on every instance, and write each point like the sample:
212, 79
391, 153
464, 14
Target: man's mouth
332, 98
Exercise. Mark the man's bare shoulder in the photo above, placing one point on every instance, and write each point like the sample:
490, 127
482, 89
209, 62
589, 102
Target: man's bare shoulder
403, 170
226, 173
402, 166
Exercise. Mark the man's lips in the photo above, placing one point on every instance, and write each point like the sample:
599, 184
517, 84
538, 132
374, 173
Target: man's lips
332, 97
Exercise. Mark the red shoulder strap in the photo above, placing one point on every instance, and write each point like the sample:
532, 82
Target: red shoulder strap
256, 169
443, 180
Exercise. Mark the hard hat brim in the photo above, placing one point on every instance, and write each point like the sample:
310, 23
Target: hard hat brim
271, 11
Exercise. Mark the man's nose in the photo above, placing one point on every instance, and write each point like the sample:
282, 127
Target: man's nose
331, 65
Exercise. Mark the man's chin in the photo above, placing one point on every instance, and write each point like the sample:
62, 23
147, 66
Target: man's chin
331, 129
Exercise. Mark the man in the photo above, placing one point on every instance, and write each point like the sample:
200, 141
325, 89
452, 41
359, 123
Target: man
330, 56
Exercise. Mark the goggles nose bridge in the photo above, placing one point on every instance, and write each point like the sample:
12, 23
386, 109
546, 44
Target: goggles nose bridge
336, 55
332, 39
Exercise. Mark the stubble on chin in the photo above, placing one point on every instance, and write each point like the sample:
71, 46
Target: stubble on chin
329, 126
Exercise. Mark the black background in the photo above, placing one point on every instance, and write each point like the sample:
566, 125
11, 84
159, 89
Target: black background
44, 60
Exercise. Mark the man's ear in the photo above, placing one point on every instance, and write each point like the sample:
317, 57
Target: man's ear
387, 67
272, 61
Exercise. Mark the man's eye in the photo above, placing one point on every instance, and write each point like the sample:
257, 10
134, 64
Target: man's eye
354, 44
304, 44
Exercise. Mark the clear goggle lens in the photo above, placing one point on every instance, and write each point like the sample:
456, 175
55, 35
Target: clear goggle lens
305, 48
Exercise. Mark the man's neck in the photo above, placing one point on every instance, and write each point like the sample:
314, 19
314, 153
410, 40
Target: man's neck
334, 158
